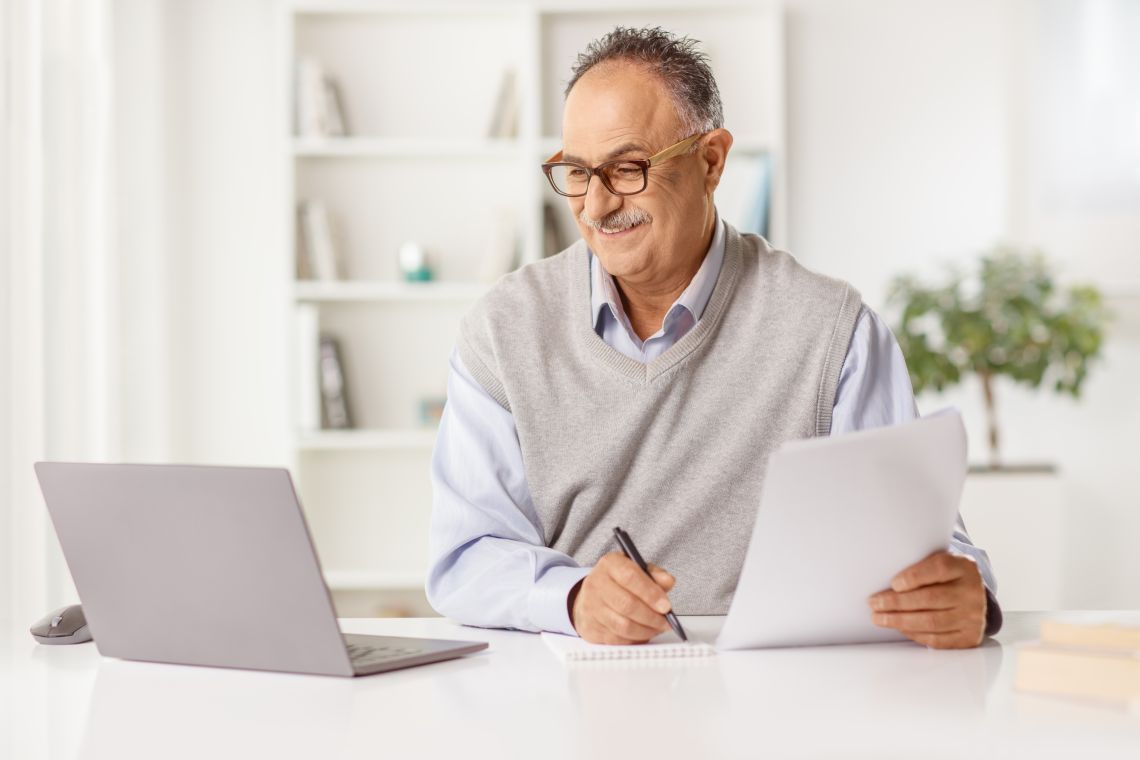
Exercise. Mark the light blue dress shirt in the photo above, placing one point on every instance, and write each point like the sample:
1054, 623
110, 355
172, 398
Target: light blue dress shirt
490, 565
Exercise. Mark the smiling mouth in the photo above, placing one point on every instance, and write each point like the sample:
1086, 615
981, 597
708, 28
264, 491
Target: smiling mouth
619, 233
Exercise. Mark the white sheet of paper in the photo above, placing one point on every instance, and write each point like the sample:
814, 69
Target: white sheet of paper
838, 518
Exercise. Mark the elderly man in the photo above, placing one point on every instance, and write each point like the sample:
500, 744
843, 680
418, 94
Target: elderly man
643, 376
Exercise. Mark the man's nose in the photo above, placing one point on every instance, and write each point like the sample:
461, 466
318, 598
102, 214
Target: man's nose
599, 200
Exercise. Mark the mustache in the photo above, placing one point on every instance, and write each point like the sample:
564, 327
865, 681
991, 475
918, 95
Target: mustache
616, 221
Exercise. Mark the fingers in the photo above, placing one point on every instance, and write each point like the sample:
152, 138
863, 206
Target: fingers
940, 567
926, 621
942, 615
950, 640
627, 574
621, 601
942, 596
663, 577
631, 629
617, 603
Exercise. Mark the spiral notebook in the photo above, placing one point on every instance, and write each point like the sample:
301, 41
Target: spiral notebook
665, 646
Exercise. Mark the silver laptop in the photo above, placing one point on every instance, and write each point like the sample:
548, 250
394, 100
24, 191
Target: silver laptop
203, 565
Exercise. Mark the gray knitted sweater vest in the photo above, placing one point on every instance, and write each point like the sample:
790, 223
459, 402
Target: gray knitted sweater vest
675, 450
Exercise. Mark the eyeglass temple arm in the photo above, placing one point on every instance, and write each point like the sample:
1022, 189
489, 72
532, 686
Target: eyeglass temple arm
673, 151
655, 159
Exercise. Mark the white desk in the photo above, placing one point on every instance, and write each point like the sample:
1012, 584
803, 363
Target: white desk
517, 701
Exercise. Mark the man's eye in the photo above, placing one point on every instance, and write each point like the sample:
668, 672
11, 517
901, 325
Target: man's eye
629, 172
576, 173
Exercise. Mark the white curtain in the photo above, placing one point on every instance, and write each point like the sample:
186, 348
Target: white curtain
57, 300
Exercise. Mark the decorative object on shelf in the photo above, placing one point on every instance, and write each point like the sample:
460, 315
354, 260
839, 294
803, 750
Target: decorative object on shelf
553, 241
334, 391
318, 255
501, 254
1006, 318
413, 262
431, 410
319, 105
505, 117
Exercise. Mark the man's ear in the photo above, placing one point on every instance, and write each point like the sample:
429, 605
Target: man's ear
714, 148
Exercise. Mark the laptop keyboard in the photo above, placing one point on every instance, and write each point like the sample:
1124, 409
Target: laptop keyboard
372, 655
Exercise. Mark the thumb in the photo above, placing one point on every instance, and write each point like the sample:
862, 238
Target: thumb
663, 577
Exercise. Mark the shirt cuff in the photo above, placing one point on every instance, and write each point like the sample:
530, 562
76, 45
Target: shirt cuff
547, 604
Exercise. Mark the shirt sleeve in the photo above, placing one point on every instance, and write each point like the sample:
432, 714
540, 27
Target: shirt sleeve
488, 560
874, 390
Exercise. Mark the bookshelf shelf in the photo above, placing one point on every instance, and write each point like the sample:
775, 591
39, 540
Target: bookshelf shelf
305, 291
367, 440
424, 86
393, 147
358, 580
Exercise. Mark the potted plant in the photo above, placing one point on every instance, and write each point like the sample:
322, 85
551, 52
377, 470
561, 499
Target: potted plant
1006, 317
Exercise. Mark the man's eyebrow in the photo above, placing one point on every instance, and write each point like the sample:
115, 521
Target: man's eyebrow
618, 151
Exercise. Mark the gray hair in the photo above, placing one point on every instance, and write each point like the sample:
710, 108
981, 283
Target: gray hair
683, 69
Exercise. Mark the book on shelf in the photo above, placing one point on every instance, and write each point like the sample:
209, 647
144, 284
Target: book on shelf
335, 410
308, 386
505, 117
319, 104
553, 241
318, 252
1090, 662
501, 254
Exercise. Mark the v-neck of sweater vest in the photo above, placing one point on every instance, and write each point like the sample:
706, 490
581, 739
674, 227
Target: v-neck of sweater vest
643, 372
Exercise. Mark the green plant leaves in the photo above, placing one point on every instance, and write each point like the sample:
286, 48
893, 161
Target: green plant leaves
1005, 317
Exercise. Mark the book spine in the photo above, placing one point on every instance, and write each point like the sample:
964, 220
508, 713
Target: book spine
333, 387
323, 258
308, 401
1111, 638
309, 97
1077, 673
333, 109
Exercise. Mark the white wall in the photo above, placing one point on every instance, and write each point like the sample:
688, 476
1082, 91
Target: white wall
907, 133
205, 307
896, 134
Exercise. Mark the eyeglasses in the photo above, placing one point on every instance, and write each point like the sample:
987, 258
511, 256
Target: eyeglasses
623, 176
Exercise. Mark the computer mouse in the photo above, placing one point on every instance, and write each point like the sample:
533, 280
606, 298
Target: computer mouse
67, 625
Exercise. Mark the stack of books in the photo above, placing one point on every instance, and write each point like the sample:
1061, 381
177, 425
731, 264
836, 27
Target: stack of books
1091, 662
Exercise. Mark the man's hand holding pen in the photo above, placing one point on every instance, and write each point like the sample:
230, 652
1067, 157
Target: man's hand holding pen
617, 603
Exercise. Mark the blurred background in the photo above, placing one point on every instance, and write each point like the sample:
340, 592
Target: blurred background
243, 232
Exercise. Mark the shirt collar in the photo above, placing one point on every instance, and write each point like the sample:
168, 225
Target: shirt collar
604, 292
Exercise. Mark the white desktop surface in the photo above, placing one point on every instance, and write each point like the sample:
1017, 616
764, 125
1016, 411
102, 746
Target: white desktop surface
516, 700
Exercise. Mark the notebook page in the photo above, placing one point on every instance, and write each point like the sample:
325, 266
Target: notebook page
667, 645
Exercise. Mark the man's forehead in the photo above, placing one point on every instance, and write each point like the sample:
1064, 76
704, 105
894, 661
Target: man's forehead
583, 152
616, 111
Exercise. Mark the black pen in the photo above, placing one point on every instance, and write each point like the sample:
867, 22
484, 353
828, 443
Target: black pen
627, 547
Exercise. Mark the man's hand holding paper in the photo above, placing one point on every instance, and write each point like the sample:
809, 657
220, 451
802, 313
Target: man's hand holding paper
939, 602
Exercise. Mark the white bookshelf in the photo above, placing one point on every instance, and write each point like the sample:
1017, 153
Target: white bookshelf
419, 81
378, 147
381, 290
366, 440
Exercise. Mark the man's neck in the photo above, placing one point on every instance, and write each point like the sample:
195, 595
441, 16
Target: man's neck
646, 306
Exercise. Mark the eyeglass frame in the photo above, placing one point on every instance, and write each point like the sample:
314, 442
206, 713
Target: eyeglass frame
660, 157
